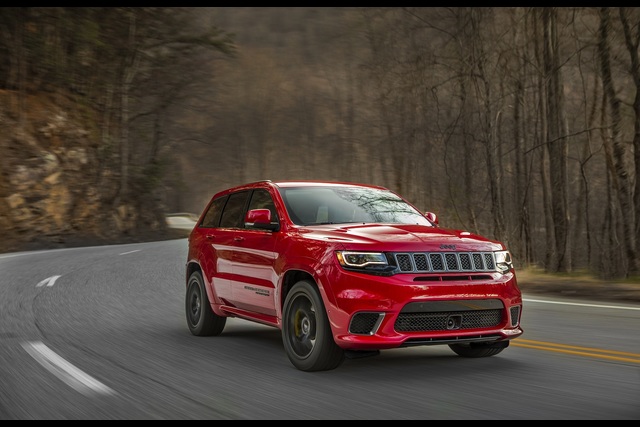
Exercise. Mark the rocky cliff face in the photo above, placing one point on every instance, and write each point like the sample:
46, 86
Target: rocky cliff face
57, 187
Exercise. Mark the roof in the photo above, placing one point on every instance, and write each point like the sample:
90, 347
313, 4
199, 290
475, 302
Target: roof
315, 183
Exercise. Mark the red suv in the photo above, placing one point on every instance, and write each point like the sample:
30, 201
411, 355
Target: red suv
346, 270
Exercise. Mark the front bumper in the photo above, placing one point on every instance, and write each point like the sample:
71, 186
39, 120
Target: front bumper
381, 312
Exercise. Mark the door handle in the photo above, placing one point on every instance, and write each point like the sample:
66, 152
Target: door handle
211, 236
238, 238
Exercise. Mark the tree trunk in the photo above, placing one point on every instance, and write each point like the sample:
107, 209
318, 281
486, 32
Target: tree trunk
624, 189
483, 91
550, 252
556, 141
129, 71
632, 41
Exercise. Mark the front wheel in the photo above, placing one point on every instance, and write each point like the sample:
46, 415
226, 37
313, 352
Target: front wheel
479, 349
201, 319
306, 333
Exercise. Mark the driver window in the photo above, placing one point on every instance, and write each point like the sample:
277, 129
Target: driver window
261, 199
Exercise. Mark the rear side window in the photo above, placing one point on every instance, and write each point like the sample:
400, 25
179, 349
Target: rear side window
233, 213
212, 217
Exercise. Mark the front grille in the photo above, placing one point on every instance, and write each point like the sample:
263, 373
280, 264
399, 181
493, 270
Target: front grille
450, 315
420, 322
420, 262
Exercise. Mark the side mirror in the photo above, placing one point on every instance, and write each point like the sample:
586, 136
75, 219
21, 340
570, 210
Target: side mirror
432, 217
260, 218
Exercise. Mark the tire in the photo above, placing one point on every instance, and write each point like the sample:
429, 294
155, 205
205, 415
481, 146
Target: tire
201, 319
306, 333
479, 349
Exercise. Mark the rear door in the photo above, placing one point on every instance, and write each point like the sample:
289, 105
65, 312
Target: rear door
217, 235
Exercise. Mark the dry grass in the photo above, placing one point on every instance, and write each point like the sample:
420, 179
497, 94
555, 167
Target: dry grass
578, 284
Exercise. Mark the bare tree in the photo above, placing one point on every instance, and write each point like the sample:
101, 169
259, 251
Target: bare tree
556, 140
623, 183
488, 121
632, 42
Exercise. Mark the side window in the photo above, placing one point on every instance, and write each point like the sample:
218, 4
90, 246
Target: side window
233, 214
212, 217
261, 199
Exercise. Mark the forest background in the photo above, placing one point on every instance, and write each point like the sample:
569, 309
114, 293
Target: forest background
518, 123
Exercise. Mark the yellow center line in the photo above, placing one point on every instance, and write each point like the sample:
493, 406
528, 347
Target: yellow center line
598, 353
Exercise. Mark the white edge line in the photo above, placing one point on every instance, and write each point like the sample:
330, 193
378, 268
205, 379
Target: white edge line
621, 307
80, 248
64, 370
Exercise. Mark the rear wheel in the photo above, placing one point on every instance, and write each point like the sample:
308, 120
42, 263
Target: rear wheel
479, 349
306, 333
201, 319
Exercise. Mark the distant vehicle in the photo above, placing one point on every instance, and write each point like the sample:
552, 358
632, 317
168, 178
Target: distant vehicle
185, 221
346, 270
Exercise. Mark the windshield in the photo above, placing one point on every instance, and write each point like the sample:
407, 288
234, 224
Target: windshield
340, 205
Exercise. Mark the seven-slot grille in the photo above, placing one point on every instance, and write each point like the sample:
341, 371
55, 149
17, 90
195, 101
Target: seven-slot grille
420, 262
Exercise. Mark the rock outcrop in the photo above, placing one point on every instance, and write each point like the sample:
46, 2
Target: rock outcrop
58, 181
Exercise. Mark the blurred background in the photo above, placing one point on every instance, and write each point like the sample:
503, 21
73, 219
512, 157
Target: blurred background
521, 124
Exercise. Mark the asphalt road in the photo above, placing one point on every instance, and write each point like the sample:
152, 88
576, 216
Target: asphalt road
99, 333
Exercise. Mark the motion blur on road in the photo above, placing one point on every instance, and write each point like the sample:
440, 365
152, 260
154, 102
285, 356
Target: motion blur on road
100, 333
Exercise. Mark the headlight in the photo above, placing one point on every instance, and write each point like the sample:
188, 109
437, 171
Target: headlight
361, 259
503, 261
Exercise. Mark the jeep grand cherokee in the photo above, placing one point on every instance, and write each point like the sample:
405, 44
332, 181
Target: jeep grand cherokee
346, 270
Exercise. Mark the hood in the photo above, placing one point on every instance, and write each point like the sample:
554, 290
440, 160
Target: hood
400, 237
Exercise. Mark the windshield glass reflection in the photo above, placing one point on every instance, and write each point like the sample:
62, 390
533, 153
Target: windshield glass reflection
340, 205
